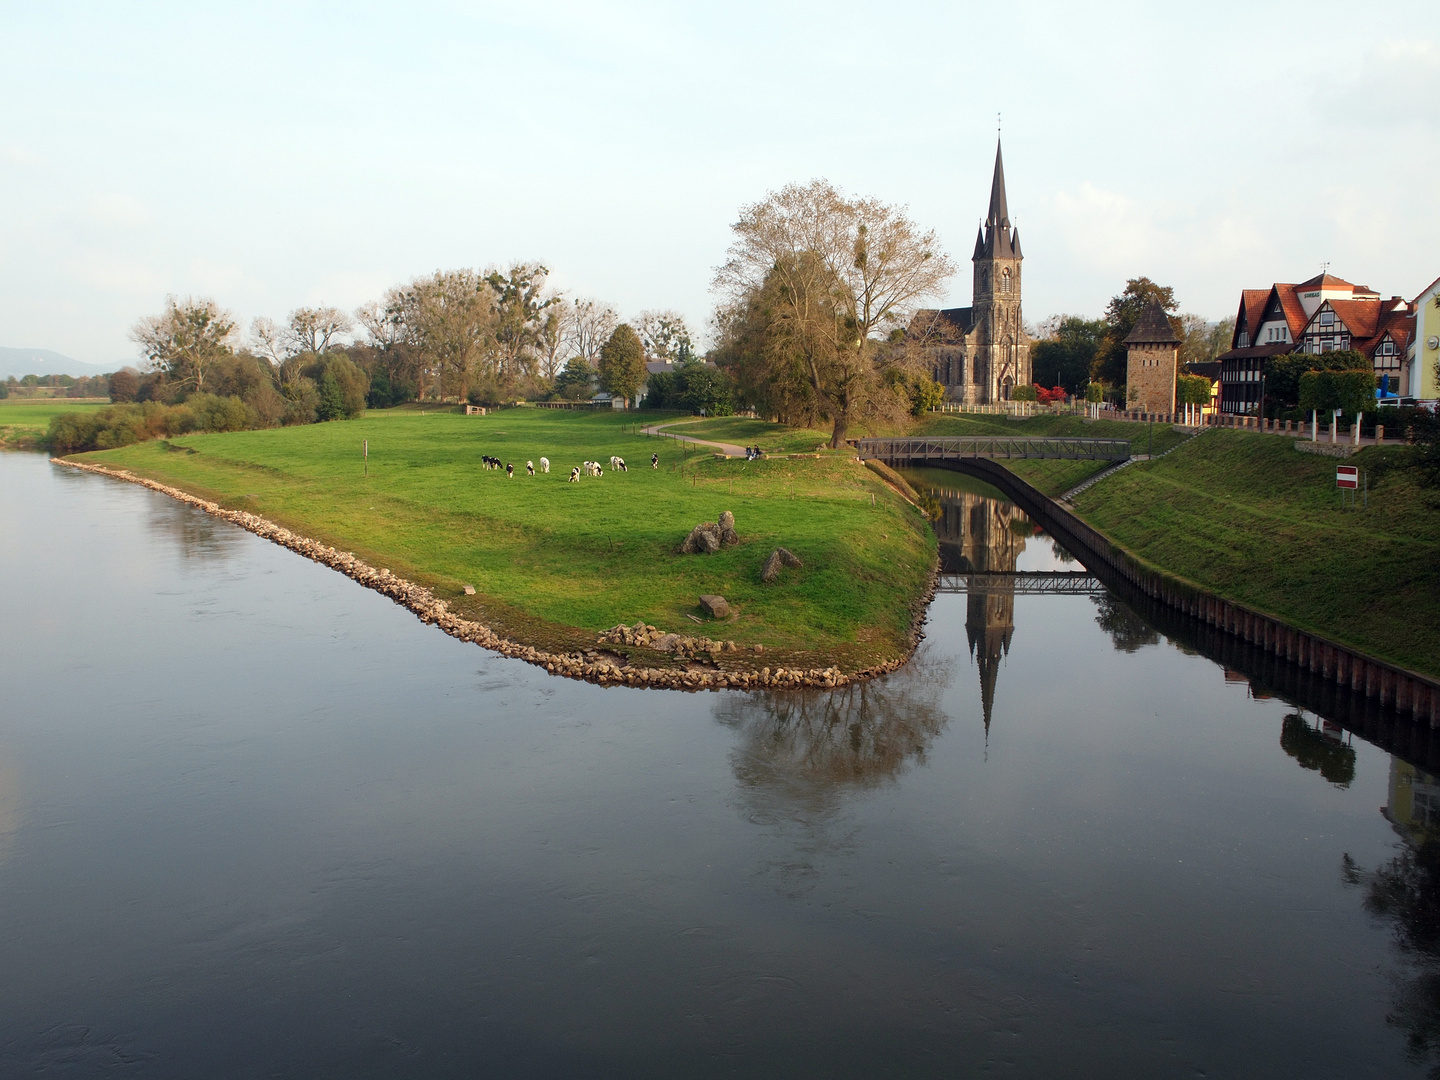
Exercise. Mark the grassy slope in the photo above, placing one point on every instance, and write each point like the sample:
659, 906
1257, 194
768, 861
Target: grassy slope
24, 422
1252, 519
546, 555
1054, 477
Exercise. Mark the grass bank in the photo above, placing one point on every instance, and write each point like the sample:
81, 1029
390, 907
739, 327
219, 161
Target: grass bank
1249, 518
23, 422
553, 563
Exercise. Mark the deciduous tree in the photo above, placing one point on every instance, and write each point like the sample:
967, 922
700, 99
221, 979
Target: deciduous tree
185, 339
622, 363
1121, 315
832, 274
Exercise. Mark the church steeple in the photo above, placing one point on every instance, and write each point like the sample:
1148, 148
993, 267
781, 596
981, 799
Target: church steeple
999, 216
999, 239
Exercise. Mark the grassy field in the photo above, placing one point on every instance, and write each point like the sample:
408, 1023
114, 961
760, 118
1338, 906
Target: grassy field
1250, 518
23, 422
1051, 477
554, 562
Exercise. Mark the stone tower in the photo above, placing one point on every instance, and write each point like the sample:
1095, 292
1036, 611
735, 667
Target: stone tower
1002, 352
1152, 362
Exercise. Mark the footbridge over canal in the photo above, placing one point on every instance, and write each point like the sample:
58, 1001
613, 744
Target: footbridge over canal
939, 451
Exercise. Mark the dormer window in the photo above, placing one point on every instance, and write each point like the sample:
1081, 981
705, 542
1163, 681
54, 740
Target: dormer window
1327, 318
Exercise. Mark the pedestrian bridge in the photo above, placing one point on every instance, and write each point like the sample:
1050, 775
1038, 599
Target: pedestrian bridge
1022, 583
1002, 447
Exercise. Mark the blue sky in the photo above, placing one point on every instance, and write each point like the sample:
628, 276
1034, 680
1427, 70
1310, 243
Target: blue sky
278, 155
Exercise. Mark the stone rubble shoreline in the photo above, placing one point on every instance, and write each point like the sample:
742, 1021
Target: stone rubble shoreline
602, 670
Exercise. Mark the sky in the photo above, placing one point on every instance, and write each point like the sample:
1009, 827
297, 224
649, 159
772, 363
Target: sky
278, 155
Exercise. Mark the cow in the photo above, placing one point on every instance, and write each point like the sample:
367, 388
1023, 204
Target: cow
575, 475
510, 470
530, 468
545, 464
618, 463
654, 461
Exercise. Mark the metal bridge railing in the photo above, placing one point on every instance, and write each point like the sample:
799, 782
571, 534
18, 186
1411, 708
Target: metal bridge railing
994, 446
1023, 583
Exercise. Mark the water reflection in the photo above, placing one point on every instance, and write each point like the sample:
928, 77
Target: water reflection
1127, 630
801, 755
197, 536
1320, 748
1405, 893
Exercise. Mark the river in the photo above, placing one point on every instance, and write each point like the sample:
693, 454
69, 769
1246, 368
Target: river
256, 819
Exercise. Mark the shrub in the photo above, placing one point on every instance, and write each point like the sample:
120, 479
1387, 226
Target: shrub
1095, 392
1024, 393
1351, 392
124, 386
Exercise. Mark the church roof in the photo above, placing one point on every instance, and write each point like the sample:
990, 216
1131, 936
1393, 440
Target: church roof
997, 237
999, 212
1152, 328
943, 326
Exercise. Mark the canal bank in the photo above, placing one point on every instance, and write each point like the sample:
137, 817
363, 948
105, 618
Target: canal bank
1407, 693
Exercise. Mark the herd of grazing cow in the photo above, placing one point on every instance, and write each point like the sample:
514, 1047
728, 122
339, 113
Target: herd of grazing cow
587, 468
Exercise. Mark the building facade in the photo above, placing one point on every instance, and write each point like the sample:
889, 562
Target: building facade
1324, 314
1152, 362
1423, 354
981, 353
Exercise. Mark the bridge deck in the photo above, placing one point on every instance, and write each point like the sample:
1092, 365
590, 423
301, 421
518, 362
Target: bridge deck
1023, 583
993, 446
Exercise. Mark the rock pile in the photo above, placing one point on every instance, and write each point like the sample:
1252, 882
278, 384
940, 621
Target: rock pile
710, 536
778, 558
592, 665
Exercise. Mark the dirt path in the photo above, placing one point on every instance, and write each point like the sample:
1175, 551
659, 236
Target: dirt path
728, 449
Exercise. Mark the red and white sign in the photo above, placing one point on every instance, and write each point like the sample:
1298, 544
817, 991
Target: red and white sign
1347, 476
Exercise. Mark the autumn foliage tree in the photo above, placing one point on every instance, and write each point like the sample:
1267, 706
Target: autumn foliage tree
812, 283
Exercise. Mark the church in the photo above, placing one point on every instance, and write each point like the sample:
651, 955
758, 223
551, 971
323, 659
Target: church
980, 353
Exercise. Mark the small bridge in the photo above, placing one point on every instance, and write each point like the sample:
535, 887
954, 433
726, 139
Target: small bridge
1023, 583
1003, 447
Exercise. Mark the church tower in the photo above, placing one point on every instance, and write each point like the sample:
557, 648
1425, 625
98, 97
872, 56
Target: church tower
1002, 352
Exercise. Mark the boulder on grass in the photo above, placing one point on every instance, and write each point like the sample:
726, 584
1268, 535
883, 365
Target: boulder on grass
728, 536
778, 558
704, 539
715, 606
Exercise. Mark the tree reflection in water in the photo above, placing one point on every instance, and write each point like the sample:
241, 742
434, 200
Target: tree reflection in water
802, 754
195, 533
1128, 631
1405, 892
1313, 749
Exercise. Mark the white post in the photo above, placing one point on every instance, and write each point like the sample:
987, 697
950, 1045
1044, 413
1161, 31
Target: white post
1358, 418
1314, 426
1334, 426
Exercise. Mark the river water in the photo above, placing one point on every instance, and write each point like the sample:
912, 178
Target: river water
255, 819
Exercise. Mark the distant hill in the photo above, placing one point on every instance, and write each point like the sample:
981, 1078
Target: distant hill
22, 362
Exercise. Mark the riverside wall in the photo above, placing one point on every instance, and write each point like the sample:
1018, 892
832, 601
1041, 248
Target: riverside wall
1307, 661
604, 667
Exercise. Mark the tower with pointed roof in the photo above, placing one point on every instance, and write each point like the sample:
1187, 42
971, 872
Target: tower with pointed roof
1152, 362
980, 353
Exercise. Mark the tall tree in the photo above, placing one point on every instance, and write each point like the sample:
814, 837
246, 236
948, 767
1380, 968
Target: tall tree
186, 339
449, 316
837, 273
622, 363
1121, 315
588, 325
665, 335
519, 317
1064, 356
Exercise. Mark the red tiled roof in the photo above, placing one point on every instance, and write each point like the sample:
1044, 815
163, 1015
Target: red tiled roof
1290, 305
1400, 325
1252, 303
1359, 316
1324, 281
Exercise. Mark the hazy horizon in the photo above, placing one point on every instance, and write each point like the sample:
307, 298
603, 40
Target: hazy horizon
273, 156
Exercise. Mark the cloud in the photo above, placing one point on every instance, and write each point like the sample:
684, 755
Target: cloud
16, 154
119, 210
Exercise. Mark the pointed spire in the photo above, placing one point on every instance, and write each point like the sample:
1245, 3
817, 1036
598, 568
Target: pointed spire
1015, 243
979, 243
999, 212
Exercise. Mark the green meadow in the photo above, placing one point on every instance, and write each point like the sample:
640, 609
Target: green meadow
555, 562
1247, 516
24, 421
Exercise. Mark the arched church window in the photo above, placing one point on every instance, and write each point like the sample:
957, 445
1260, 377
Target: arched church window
1005, 280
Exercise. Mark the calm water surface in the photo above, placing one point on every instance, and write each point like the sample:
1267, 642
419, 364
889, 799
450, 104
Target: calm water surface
255, 819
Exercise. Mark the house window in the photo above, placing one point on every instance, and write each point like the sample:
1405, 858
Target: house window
1327, 318
1244, 339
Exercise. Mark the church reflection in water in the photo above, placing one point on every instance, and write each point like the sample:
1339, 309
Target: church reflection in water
982, 535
